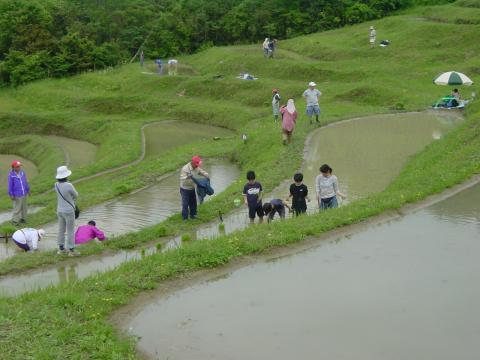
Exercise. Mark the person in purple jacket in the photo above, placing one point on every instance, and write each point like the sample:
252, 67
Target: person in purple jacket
18, 189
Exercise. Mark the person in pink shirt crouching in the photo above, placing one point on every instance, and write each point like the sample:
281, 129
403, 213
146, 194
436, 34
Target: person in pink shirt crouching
86, 233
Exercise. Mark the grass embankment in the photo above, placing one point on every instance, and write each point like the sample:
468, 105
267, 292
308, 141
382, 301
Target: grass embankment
72, 319
110, 107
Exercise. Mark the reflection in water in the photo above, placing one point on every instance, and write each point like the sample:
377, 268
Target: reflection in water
143, 208
67, 274
406, 289
235, 220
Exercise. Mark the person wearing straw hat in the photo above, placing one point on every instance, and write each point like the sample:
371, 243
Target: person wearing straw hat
66, 197
18, 189
311, 96
27, 239
187, 186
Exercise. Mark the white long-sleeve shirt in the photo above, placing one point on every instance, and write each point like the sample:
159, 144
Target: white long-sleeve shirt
326, 187
27, 236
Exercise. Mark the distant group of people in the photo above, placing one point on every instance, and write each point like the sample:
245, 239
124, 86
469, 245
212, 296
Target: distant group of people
326, 187
27, 238
268, 46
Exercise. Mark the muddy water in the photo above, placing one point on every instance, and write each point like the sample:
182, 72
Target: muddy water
77, 153
143, 208
238, 219
407, 289
368, 153
163, 136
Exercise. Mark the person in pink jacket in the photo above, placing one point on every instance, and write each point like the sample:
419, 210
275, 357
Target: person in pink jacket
85, 233
289, 119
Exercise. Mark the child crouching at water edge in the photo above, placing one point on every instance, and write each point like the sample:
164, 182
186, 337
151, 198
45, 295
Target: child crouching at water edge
298, 193
327, 188
275, 206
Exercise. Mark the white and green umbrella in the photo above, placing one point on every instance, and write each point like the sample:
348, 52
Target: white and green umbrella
453, 78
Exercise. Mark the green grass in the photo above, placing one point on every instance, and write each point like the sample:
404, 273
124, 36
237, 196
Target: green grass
70, 321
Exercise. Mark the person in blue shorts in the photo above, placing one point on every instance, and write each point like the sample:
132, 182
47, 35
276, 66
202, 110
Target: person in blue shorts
252, 194
311, 96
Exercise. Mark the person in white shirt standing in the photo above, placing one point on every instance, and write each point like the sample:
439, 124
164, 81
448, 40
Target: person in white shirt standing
373, 36
27, 239
327, 188
187, 186
311, 96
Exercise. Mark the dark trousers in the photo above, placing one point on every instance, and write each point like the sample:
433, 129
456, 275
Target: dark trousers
189, 200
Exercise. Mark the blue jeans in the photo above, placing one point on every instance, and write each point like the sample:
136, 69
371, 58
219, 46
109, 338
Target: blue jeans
189, 200
328, 203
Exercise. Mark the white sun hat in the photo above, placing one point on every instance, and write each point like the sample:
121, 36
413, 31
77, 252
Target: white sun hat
63, 172
311, 83
41, 233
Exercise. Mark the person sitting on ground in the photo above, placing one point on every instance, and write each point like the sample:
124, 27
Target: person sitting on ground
298, 193
327, 188
86, 233
275, 206
456, 94
252, 194
27, 239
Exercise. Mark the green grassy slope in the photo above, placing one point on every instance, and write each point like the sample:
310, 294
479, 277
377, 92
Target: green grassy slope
71, 321
108, 108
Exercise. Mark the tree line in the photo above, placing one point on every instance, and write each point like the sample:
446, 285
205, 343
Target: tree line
56, 38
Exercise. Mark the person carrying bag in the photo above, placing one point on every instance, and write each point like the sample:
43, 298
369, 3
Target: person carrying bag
67, 212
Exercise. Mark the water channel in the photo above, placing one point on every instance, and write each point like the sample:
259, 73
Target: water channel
317, 152
406, 289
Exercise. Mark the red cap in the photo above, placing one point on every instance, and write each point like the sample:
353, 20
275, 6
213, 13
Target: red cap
196, 160
16, 163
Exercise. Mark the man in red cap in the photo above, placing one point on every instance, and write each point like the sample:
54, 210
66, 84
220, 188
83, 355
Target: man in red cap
187, 186
18, 189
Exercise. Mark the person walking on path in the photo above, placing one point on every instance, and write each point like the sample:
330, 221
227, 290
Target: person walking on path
66, 197
311, 96
252, 195
266, 51
187, 186
276, 104
142, 58
289, 119
373, 36
298, 193
86, 233
27, 239
172, 67
327, 188
271, 47
18, 189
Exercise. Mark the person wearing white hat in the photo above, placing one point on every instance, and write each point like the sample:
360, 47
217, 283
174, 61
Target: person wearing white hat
311, 96
373, 36
66, 197
27, 239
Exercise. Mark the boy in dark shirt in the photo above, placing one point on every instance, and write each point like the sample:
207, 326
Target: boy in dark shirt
298, 193
252, 194
275, 206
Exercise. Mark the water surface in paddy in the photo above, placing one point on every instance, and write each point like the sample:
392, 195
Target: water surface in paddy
406, 289
366, 154
140, 209
77, 153
163, 136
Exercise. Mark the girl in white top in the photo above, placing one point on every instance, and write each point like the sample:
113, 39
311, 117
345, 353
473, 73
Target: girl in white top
327, 188
28, 238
